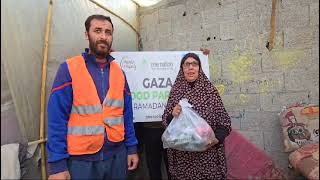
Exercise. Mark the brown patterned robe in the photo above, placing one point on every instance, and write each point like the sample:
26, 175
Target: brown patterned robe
205, 98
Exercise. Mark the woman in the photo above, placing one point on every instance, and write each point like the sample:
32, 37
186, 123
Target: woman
192, 83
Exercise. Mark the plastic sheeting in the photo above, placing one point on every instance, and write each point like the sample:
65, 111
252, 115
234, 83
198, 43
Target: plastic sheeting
22, 40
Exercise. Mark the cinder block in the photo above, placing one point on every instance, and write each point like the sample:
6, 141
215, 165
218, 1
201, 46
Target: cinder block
152, 32
151, 45
180, 26
236, 118
247, 26
255, 137
211, 32
165, 28
314, 14
301, 79
260, 120
241, 101
286, 59
227, 30
273, 140
241, 68
146, 20
275, 101
314, 95
177, 12
164, 15
295, 16
301, 39
173, 42
251, 121
264, 83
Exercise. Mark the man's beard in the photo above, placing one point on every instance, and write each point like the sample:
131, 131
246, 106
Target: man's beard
95, 49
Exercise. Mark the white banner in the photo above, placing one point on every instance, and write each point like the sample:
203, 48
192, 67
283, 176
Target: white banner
150, 76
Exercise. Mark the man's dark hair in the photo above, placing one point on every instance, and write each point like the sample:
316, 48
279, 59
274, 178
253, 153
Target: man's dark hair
98, 17
186, 56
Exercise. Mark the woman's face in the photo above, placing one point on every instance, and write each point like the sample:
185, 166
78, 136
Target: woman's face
191, 69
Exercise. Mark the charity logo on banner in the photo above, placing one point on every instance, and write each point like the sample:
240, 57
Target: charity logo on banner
150, 75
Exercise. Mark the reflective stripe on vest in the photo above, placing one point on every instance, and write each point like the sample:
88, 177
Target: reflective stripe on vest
86, 130
86, 109
89, 119
113, 121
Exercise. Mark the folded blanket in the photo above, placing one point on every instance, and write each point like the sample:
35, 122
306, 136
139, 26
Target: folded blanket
246, 161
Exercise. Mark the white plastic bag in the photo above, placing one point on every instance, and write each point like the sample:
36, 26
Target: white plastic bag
188, 131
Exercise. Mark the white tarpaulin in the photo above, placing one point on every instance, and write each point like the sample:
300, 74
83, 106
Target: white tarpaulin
150, 76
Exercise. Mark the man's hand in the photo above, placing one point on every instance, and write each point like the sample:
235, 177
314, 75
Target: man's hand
176, 110
65, 175
133, 160
205, 51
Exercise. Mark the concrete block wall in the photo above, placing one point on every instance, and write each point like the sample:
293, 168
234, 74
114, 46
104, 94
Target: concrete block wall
254, 83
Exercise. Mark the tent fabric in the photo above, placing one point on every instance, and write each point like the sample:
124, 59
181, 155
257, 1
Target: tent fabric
23, 25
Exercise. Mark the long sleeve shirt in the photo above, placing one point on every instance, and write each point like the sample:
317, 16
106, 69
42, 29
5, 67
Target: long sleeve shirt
59, 108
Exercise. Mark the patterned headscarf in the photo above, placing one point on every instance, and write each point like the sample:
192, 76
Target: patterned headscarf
202, 95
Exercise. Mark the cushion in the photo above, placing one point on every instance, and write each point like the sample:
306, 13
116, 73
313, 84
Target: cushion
305, 160
300, 126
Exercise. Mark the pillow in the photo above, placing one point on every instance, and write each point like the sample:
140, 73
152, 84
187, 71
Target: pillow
306, 160
300, 126
10, 166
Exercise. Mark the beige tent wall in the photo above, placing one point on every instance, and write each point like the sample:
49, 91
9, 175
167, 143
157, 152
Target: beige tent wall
23, 24
22, 40
22, 33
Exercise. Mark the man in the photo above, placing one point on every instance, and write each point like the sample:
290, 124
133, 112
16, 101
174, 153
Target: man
90, 122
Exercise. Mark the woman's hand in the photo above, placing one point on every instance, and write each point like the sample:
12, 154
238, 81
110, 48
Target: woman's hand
205, 51
212, 143
176, 110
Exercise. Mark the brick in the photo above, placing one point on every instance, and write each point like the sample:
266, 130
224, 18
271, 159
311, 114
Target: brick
255, 137
273, 140
275, 101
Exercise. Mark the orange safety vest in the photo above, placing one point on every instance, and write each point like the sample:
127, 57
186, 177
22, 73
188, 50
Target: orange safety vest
89, 118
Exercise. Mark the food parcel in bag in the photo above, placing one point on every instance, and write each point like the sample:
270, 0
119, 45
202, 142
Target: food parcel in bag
188, 131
